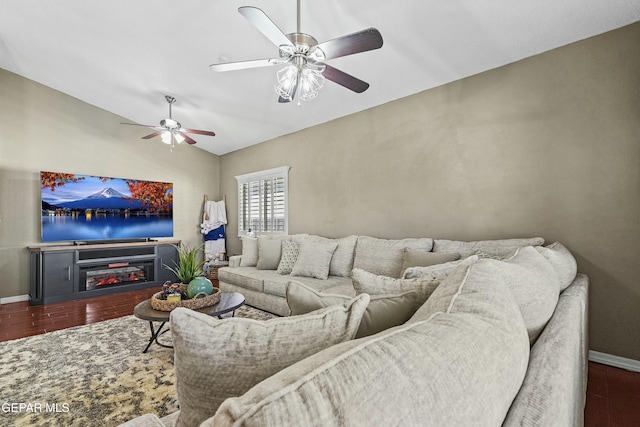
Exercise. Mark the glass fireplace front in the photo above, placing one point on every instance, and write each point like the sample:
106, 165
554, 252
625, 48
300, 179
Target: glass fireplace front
115, 274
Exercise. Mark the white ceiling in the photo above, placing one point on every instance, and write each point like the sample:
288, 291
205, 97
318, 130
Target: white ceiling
124, 55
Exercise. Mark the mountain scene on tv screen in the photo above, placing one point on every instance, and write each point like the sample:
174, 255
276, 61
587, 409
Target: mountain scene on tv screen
83, 207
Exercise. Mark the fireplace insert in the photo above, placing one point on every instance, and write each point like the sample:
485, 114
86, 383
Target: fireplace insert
115, 274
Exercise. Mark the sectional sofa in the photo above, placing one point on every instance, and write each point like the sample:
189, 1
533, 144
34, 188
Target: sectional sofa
489, 333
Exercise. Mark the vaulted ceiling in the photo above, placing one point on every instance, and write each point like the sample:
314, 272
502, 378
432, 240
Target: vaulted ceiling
124, 56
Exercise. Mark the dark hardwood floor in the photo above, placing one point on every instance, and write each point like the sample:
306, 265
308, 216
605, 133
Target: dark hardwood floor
613, 395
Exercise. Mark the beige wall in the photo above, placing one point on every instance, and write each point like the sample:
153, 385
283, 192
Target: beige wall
548, 146
42, 129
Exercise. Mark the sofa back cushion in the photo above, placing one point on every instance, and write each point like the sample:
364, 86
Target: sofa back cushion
494, 248
384, 257
216, 359
383, 311
535, 286
461, 366
532, 282
562, 261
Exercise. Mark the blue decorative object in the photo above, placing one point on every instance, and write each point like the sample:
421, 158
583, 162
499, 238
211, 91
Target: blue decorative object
200, 285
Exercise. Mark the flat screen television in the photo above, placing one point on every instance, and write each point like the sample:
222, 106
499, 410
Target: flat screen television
83, 208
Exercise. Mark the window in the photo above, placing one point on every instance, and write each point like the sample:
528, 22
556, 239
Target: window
262, 202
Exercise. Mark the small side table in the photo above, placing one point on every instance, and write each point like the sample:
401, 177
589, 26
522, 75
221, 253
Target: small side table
229, 302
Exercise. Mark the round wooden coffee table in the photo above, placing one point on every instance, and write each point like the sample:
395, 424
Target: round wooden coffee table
229, 302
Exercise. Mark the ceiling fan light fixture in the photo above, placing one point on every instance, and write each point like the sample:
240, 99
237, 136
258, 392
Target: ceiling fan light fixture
311, 81
166, 137
287, 81
179, 138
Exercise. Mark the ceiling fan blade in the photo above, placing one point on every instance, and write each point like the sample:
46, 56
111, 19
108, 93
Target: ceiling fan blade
344, 79
199, 132
136, 124
151, 135
361, 41
241, 65
186, 138
261, 21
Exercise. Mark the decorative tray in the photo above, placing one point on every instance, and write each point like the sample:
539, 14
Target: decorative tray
201, 300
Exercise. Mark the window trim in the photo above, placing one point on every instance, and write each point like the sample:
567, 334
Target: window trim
280, 172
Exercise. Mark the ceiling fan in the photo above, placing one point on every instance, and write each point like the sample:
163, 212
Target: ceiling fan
171, 131
306, 70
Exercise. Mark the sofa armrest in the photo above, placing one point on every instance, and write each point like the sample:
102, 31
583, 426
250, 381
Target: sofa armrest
554, 389
146, 420
234, 261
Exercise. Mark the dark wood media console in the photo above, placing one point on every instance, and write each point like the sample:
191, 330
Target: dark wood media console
69, 272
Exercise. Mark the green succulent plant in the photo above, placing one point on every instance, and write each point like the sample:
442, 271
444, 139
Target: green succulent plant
189, 265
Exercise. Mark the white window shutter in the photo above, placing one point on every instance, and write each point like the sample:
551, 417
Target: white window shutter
262, 202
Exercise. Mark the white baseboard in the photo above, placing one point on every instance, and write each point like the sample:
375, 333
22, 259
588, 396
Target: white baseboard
615, 361
17, 298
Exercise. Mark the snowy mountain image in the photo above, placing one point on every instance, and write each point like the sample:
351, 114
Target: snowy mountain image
107, 198
106, 194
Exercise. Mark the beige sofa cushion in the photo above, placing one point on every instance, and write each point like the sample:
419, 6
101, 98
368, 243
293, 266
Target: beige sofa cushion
461, 366
532, 282
216, 359
497, 248
314, 259
249, 252
535, 286
276, 284
384, 257
269, 253
246, 277
372, 284
438, 271
562, 261
413, 258
383, 311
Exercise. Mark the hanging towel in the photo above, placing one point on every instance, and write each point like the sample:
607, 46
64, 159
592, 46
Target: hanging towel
215, 215
216, 234
213, 220
214, 249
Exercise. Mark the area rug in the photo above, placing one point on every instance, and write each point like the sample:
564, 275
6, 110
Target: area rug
92, 375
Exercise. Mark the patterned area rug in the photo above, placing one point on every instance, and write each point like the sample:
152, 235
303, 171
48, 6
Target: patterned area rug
93, 375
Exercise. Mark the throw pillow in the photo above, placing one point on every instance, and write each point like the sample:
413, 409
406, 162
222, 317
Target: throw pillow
342, 259
383, 311
438, 271
500, 247
217, 359
269, 252
290, 250
249, 252
314, 259
413, 258
383, 256
372, 284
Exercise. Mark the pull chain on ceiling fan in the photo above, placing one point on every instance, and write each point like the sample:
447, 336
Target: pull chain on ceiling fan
306, 70
171, 131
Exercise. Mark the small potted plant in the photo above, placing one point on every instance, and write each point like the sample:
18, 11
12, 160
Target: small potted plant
189, 265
